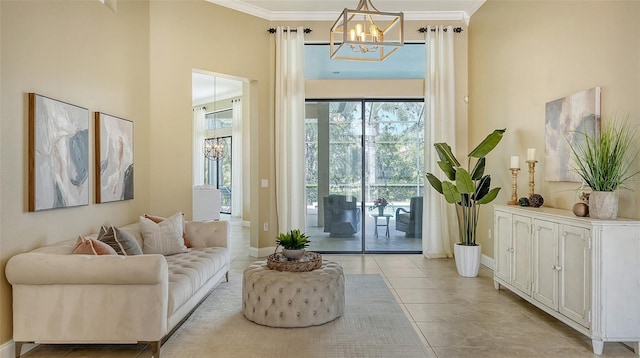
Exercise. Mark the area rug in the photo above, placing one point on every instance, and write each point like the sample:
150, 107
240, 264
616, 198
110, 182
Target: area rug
373, 325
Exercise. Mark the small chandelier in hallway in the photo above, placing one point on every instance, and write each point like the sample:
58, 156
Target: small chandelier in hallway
214, 147
366, 34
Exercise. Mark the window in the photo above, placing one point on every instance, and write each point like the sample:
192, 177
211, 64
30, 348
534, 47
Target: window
218, 173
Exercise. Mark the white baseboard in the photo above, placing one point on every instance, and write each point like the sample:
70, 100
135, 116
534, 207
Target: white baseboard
488, 261
7, 350
261, 252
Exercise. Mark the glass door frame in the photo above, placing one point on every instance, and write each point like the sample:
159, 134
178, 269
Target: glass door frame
227, 140
363, 171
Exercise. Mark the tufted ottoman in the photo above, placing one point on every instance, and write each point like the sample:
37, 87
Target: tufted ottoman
292, 299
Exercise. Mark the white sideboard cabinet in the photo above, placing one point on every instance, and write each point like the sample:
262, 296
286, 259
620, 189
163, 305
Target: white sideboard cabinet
585, 272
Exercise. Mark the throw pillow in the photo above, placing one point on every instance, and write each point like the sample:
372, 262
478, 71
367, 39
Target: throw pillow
164, 237
86, 246
158, 219
122, 242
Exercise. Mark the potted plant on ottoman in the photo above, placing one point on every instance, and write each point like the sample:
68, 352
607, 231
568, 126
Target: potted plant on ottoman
603, 162
293, 244
467, 189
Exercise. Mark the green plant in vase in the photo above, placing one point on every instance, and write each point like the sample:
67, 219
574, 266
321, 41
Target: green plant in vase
468, 189
604, 162
293, 244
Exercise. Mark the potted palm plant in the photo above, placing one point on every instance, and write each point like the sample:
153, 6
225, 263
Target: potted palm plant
603, 161
467, 189
293, 244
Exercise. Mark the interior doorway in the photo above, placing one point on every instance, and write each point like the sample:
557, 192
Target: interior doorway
218, 118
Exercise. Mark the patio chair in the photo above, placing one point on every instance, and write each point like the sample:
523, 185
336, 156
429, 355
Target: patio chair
410, 222
341, 216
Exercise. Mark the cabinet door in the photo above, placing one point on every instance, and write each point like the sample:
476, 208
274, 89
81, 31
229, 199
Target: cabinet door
545, 263
521, 261
502, 245
575, 260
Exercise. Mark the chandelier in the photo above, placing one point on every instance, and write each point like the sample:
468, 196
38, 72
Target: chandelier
214, 147
366, 34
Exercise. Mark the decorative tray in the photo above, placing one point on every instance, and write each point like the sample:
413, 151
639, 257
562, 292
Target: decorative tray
309, 262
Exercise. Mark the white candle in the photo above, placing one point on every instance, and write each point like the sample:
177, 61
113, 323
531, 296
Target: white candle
531, 154
515, 162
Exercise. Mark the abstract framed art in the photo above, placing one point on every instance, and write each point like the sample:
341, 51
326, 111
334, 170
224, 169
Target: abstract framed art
114, 158
58, 154
563, 117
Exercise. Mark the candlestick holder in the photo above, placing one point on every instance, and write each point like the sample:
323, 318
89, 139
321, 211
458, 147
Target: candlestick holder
514, 186
532, 171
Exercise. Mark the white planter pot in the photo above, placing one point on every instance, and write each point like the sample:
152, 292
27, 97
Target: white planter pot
467, 259
293, 254
603, 205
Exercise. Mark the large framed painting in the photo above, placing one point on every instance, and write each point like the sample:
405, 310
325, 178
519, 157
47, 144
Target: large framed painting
579, 112
58, 154
114, 158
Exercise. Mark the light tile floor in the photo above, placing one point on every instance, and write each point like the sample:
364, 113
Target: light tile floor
456, 317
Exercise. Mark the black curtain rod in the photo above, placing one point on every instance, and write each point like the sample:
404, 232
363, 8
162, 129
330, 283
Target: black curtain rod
425, 29
272, 30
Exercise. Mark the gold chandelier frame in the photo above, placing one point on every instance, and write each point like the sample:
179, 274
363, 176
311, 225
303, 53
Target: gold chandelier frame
357, 34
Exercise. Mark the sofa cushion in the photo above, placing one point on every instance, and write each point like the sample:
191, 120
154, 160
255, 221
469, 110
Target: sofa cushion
122, 242
88, 246
158, 219
164, 237
190, 271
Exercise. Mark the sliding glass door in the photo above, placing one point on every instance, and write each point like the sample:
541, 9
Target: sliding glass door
364, 175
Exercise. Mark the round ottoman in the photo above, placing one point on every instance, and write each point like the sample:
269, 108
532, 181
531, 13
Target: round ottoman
292, 299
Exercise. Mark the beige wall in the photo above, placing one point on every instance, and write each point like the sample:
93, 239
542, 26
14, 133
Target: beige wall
83, 53
523, 54
187, 35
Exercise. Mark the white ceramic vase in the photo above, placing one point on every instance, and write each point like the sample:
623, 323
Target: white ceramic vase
603, 205
293, 254
467, 259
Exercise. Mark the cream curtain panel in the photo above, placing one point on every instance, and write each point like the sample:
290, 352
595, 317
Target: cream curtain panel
440, 123
236, 152
198, 146
289, 134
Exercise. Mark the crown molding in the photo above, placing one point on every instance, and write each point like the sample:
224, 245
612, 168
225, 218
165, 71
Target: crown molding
333, 15
434, 15
244, 7
473, 8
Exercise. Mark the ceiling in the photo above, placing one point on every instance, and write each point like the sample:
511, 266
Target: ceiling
203, 86
328, 10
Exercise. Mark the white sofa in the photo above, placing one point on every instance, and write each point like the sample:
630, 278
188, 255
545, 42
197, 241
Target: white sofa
63, 298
